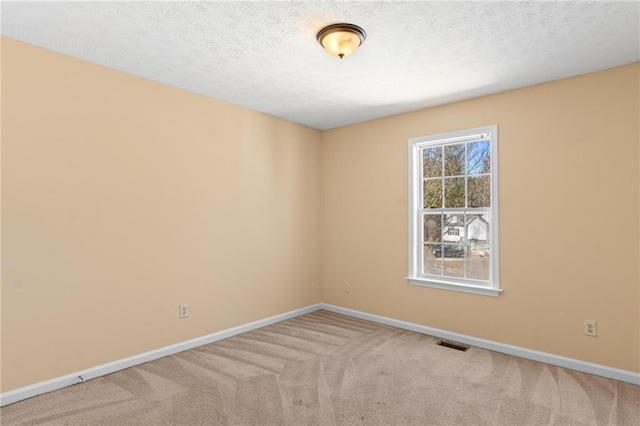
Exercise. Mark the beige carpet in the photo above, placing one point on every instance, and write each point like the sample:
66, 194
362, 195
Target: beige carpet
328, 369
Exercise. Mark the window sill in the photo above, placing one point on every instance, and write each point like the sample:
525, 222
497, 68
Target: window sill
465, 288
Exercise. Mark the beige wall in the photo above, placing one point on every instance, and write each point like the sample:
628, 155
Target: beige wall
123, 198
569, 210
0, 214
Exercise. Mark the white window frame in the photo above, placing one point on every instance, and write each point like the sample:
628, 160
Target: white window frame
415, 276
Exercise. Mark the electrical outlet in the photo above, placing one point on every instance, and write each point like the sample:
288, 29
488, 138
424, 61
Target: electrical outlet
184, 311
591, 328
347, 287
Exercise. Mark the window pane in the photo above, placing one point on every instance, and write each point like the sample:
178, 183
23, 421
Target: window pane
479, 157
453, 228
432, 227
433, 194
478, 259
432, 262
478, 262
478, 229
454, 192
453, 260
454, 160
479, 191
432, 162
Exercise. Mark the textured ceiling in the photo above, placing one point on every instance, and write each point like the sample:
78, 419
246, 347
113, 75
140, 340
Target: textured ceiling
264, 56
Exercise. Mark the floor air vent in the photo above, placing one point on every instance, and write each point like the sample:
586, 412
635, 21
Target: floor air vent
452, 345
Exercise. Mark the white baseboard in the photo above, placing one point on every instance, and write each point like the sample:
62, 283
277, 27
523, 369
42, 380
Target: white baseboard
91, 373
557, 360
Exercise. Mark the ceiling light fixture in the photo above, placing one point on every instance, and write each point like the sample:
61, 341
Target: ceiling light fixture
341, 39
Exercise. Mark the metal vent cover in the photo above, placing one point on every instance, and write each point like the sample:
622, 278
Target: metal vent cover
452, 345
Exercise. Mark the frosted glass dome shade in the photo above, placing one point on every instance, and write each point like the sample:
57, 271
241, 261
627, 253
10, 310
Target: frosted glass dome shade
341, 40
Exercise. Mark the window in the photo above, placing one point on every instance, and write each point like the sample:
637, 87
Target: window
453, 231
453, 211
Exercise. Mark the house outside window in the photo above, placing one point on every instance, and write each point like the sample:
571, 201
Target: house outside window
453, 211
